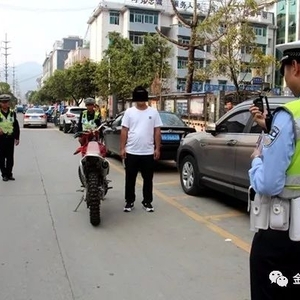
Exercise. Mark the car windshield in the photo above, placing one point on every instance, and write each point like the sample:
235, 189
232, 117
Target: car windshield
76, 111
35, 111
169, 119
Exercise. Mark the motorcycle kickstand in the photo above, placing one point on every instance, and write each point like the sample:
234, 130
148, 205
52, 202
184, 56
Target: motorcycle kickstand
81, 200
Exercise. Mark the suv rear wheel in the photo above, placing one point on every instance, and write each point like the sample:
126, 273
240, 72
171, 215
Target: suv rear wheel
189, 176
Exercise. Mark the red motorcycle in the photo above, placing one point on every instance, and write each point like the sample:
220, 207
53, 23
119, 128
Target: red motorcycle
93, 170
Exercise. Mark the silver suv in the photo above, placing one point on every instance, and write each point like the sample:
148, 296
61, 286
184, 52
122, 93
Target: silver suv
220, 158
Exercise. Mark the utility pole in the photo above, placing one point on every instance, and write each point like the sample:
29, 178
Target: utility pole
6, 54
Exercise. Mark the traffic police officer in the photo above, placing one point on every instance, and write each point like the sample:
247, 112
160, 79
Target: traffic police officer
275, 171
89, 118
9, 137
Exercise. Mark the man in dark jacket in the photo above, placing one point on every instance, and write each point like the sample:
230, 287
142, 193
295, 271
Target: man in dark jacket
9, 137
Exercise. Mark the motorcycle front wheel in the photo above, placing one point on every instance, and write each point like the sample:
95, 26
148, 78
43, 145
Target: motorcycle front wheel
93, 195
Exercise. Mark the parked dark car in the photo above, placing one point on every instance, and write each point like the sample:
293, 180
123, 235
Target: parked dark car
220, 158
172, 131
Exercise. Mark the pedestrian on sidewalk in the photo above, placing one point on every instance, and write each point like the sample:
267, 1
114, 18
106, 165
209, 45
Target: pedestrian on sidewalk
9, 137
139, 147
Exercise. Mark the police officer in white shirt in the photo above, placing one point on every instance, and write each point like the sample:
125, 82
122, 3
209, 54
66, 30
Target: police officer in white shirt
139, 147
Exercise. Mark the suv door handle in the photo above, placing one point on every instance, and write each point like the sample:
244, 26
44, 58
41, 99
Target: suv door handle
202, 144
231, 142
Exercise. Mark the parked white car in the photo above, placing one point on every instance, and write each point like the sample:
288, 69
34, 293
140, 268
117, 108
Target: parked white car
35, 117
69, 113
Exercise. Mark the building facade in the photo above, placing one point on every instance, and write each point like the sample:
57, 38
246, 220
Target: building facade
55, 60
133, 19
78, 55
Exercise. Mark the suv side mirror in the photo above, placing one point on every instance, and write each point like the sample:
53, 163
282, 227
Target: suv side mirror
211, 128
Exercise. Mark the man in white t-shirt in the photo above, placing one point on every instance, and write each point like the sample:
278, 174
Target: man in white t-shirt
139, 147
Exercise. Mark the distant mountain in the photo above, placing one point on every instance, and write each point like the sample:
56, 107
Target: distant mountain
26, 75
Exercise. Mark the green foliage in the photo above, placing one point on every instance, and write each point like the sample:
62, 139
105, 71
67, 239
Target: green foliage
81, 80
4, 88
124, 66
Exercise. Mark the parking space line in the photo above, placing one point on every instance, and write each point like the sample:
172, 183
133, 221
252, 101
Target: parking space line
234, 213
173, 182
196, 217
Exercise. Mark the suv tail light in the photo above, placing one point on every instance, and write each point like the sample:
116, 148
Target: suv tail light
70, 115
26, 116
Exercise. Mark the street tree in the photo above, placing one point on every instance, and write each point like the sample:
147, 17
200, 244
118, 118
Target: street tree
204, 25
81, 80
116, 71
152, 61
58, 86
4, 88
236, 54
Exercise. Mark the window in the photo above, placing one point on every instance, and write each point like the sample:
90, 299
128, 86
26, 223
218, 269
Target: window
235, 123
143, 17
114, 18
184, 39
136, 38
117, 122
182, 63
199, 64
260, 31
255, 128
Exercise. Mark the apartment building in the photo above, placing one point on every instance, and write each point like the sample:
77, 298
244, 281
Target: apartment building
135, 18
77, 55
56, 58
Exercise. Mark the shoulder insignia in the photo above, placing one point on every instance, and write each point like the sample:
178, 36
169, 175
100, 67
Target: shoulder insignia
272, 136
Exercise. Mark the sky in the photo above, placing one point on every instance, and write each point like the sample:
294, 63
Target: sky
32, 26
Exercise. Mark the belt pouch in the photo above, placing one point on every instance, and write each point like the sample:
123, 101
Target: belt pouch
294, 231
259, 212
279, 214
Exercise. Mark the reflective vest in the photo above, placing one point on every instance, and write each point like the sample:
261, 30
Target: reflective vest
7, 124
292, 183
89, 125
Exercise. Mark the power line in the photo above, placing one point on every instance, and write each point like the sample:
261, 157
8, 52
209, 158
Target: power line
34, 9
32, 77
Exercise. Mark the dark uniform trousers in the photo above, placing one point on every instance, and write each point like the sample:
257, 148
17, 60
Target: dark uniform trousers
7, 145
134, 164
272, 250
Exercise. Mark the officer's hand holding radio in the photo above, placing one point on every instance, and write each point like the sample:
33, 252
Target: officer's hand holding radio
258, 116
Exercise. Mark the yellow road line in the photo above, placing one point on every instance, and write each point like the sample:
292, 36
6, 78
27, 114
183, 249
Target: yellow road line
234, 213
196, 217
173, 182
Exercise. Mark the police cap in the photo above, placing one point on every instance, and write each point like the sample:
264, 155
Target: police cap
5, 97
139, 94
290, 52
89, 101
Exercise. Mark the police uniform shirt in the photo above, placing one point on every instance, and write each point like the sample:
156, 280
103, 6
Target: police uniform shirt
268, 172
16, 128
90, 116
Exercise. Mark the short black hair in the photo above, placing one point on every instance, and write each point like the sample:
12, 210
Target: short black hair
139, 94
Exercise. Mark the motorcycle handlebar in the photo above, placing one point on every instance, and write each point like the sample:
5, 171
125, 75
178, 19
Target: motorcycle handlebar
80, 133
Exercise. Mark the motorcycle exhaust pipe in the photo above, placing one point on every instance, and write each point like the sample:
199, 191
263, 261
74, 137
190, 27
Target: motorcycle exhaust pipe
105, 164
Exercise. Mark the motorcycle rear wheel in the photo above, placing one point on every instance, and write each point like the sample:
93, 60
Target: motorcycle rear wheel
93, 195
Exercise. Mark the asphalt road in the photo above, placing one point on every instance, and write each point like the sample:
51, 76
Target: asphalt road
190, 248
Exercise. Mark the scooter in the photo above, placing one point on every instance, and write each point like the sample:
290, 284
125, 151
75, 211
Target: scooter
93, 170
